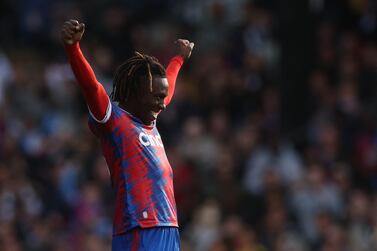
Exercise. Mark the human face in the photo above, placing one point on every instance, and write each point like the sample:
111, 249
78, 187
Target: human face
152, 103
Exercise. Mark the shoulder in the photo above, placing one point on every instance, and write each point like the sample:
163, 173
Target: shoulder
99, 127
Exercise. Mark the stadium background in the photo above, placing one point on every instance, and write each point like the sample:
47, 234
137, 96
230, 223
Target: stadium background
271, 133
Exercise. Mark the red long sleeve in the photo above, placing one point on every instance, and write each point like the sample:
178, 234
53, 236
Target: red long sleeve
171, 73
94, 93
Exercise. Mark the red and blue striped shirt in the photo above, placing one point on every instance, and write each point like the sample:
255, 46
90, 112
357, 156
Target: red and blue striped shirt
140, 171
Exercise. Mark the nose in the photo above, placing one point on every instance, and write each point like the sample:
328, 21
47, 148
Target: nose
162, 106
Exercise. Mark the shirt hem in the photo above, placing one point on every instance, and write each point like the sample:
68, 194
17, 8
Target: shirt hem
146, 226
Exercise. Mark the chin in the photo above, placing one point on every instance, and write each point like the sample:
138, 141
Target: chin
150, 120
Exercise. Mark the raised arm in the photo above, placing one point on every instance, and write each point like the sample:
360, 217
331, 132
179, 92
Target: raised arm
95, 95
184, 52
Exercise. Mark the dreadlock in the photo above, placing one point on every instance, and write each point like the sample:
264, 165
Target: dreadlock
127, 76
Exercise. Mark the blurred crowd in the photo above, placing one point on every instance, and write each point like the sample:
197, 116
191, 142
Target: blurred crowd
272, 132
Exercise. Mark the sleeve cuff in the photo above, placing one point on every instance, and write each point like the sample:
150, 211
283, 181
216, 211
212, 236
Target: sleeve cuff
71, 48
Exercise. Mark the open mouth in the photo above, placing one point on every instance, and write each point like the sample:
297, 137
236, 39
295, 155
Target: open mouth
154, 114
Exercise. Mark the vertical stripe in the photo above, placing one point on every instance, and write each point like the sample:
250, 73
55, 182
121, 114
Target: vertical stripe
135, 240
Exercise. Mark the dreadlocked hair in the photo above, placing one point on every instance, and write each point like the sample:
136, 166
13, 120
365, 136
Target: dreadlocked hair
131, 73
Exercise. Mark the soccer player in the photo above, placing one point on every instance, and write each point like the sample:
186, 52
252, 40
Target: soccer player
145, 210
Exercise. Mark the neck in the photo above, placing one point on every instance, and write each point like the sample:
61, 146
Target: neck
133, 108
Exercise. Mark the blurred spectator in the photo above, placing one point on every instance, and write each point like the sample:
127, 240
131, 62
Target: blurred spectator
244, 180
314, 196
277, 157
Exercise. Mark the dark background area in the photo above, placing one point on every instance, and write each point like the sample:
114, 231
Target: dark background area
271, 132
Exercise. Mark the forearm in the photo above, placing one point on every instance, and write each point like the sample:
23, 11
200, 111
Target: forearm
94, 93
172, 71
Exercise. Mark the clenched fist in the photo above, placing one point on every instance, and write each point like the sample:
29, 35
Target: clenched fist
184, 47
72, 31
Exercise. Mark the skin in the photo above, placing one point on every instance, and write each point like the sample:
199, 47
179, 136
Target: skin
145, 105
73, 31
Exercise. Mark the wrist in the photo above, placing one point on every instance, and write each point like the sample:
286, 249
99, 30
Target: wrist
70, 42
71, 45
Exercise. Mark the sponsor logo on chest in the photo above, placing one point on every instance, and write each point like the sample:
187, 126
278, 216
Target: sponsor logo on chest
150, 140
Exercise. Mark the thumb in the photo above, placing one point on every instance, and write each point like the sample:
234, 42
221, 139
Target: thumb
81, 27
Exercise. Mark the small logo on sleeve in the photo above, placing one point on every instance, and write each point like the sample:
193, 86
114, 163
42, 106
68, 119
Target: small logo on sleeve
145, 214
